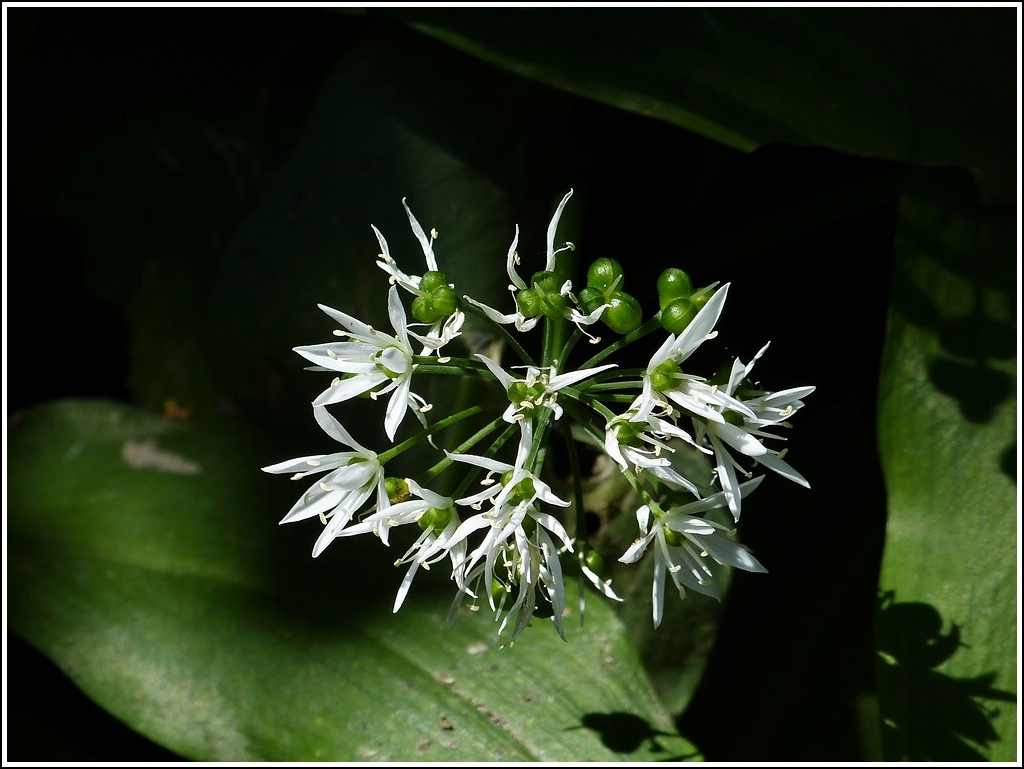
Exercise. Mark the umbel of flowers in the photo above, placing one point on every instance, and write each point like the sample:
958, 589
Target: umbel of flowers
484, 506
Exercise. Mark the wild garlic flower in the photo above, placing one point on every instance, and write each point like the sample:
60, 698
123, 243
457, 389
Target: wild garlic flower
436, 517
671, 432
683, 544
436, 304
517, 533
639, 439
354, 477
737, 427
537, 389
546, 295
374, 363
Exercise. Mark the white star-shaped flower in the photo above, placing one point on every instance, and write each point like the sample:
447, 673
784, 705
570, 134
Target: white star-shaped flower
523, 323
442, 331
537, 389
638, 438
353, 478
683, 543
374, 363
435, 514
735, 425
511, 500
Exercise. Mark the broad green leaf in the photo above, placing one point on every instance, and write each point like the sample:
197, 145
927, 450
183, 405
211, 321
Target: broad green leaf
934, 86
946, 627
145, 559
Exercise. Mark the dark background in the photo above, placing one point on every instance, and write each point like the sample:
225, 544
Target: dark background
794, 650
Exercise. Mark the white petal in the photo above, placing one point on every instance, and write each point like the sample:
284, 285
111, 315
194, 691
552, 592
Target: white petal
772, 461
634, 551
564, 380
702, 324
511, 266
348, 388
397, 407
499, 373
552, 227
421, 236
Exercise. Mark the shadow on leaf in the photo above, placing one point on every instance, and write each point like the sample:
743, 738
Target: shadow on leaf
627, 733
926, 714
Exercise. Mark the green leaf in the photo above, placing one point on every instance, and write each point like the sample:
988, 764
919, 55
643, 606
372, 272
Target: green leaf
946, 627
895, 83
146, 561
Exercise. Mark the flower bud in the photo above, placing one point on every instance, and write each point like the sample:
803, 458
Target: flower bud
673, 283
624, 314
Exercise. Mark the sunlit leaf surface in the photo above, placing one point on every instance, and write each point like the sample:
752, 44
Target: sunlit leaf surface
946, 627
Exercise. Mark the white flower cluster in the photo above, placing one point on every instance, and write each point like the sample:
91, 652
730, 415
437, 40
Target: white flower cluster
506, 542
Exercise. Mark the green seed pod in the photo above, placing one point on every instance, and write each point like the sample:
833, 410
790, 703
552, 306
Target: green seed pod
433, 280
624, 314
546, 282
445, 302
701, 295
677, 315
664, 376
555, 305
397, 489
673, 283
423, 309
435, 518
593, 559
497, 589
672, 537
529, 303
590, 299
603, 273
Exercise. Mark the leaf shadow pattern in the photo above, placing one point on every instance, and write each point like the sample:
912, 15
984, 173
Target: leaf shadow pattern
926, 714
954, 274
627, 733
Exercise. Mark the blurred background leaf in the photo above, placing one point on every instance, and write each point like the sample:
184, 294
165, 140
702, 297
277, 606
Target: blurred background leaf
905, 87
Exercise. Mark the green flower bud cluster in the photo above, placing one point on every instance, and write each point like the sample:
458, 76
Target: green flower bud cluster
604, 286
437, 302
678, 301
